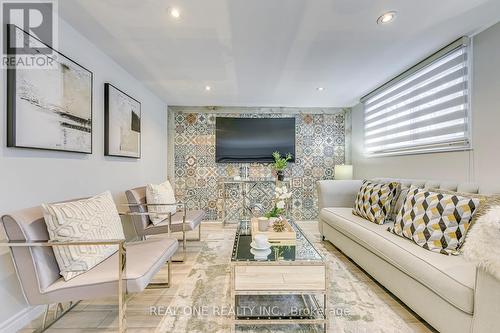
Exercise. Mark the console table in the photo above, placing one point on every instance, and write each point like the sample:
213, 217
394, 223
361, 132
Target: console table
246, 186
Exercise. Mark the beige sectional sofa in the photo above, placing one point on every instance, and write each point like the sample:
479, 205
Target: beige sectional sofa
446, 291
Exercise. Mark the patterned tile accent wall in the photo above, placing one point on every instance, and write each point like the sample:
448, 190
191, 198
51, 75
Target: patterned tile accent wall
320, 145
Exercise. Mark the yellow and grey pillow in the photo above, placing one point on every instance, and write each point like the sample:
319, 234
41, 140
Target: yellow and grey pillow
486, 202
398, 201
374, 200
435, 221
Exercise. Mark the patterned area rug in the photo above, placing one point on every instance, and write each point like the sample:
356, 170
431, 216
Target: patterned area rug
202, 303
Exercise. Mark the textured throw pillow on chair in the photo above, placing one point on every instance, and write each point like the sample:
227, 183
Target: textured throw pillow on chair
160, 194
435, 221
374, 200
89, 219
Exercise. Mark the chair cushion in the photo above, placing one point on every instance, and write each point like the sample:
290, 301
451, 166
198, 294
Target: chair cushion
144, 260
450, 277
160, 194
95, 218
193, 219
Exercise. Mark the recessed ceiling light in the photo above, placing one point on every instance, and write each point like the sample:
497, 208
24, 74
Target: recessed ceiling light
174, 12
208, 88
320, 89
386, 17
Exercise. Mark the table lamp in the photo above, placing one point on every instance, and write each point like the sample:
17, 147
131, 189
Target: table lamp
343, 172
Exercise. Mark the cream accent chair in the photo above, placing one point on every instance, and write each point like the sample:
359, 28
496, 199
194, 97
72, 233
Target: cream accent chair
130, 270
446, 291
182, 221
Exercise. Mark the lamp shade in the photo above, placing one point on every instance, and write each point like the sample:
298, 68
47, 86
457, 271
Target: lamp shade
343, 172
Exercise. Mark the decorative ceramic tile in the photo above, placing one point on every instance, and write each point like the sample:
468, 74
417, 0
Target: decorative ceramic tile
319, 146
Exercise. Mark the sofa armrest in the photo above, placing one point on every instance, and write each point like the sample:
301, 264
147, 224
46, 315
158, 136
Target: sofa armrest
337, 193
486, 303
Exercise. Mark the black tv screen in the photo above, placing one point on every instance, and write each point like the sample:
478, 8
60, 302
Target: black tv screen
253, 139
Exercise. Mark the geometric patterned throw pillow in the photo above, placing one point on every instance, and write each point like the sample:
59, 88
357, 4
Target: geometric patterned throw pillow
95, 218
398, 201
374, 200
435, 221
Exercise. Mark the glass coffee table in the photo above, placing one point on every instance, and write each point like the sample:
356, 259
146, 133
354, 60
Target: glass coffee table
287, 287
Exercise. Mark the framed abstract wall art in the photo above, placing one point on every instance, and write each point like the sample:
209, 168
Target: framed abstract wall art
122, 123
49, 108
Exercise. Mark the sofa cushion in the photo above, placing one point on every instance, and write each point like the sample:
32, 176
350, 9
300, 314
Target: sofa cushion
398, 202
374, 200
450, 277
486, 202
438, 222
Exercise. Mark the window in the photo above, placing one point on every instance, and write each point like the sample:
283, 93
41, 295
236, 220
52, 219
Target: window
424, 109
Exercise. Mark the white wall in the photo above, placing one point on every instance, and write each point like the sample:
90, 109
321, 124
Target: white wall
480, 165
29, 177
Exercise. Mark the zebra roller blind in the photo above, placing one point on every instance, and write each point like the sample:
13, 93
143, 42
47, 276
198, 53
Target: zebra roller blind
424, 109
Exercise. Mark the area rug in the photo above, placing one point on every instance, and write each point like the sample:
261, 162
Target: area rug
202, 303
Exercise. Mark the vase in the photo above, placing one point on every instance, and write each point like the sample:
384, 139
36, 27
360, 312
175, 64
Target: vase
281, 175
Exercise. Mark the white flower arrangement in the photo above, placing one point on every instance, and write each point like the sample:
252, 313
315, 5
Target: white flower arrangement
281, 194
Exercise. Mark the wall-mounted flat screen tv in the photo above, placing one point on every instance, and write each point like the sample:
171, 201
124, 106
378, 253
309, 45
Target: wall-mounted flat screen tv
240, 140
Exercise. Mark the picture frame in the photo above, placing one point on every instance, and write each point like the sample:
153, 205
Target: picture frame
122, 124
49, 109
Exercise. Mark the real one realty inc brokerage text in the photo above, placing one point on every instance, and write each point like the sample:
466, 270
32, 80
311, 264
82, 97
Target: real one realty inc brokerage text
224, 311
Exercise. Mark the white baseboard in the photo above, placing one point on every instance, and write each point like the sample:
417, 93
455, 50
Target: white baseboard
21, 319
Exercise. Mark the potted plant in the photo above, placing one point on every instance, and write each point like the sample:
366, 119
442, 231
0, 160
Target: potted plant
280, 164
274, 213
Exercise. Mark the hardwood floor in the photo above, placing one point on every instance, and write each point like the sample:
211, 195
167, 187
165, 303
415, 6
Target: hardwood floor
101, 315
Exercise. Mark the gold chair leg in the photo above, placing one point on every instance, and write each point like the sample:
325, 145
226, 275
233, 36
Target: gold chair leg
45, 317
162, 285
122, 304
169, 273
199, 236
184, 243
59, 308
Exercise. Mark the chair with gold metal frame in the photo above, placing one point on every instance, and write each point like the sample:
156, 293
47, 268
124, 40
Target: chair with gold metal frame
129, 270
182, 221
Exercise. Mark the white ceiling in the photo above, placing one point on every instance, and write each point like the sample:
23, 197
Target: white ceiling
272, 52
